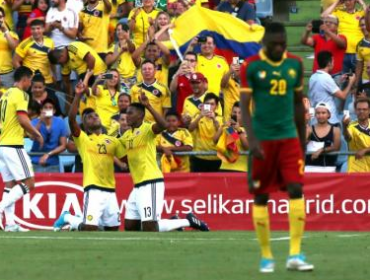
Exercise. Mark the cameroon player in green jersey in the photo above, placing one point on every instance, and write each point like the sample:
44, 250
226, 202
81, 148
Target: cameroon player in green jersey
272, 85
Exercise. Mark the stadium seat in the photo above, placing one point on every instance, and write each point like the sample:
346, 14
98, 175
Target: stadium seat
66, 161
28, 144
264, 8
62, 101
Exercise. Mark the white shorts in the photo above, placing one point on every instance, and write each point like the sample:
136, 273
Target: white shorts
101, 208
146, 202
15, 164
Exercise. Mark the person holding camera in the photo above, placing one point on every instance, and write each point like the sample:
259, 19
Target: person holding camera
326, 38
322, 87
348, 26
54, 131
107, 96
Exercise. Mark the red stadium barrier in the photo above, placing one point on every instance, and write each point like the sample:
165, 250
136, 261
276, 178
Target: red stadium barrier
335, 201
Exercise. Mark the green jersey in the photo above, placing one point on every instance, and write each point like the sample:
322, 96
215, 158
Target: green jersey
272, 85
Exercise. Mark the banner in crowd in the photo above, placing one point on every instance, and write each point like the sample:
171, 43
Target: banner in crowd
233, 37
334, 202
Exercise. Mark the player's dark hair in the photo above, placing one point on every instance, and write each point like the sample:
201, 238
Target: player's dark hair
191, 53
54, 55
236, 104
324, 58
22, 72
148, 61
37, 22
48, 101
38, 78
210, 96
138, 106
87, 111
362, 100
274, 28
172, 113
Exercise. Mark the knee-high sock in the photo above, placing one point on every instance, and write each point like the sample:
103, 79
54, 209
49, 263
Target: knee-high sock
9, 211
261, 224
168, 225
14, 194
73, 221
297, 218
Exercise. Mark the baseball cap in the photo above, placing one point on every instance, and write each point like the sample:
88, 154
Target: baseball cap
323, 105
197, 77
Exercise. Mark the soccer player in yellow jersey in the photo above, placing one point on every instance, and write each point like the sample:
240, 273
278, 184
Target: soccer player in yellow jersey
175, 139
94, 24
97, 151
15, 165
145, 203
158, 94
33, 52
8, 42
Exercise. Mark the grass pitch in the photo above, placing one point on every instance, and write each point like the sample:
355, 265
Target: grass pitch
175, 256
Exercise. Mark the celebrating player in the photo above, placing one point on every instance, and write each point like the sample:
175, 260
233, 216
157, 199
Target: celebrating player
273, 79
145, 203
97, 151
15, 164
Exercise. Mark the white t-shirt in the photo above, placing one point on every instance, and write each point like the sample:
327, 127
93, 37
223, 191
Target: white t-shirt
321, 89
75, 5
68, 18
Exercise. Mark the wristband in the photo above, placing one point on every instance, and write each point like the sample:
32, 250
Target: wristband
49, 154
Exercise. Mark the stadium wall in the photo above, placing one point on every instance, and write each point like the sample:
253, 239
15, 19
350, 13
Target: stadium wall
334, 201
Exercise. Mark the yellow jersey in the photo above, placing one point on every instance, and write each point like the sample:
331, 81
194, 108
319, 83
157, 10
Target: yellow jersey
14, 101
363, 54
203, 137
97, 154
76, 52
125, 65
158, 94
114, 21
7, 7
181, 137
161, 73
192, 106
360, 139
349, 26
140, 147
141, 24
106, 105
6, 53
95, 24
231, 95
213, 69
35, 56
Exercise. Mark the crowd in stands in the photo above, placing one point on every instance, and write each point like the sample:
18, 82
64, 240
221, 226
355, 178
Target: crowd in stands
120, 49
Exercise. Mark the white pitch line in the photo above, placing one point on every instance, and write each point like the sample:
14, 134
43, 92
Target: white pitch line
348, 235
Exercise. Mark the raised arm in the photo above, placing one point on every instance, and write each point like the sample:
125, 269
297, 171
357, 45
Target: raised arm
160, 122
25, 122
75, 128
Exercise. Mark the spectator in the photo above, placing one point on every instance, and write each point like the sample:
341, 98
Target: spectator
156, 52
117, 12
107, 96
8, 42
362, 57
174, 139
24, 9
231, 89
212, 66
94, 24
61, 23
322, 87
237, 163
7, 14
240, 9
327, 40
158, 94
124, 100
119, 56
140, 19
159, 30
322, 138
76, 6
122, 121
348, 26
33, 52
53, 129
34, 109
39, 93
203, 127
180, 7
357, 135
180, 84
39, 9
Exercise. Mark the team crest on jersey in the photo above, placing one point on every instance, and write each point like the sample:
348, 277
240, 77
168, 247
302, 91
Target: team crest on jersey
177, 143
156, 92
96, 13
292, 73
262, 74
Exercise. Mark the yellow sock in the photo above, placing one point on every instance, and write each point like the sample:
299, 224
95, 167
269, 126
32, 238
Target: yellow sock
297, 218
261, 224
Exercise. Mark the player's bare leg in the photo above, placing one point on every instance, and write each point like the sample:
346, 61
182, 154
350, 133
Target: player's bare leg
297, 218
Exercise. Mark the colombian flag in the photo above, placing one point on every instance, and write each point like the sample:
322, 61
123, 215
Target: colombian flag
233, 37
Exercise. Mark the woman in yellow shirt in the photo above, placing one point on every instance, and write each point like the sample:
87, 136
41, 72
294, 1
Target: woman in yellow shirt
107, 96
